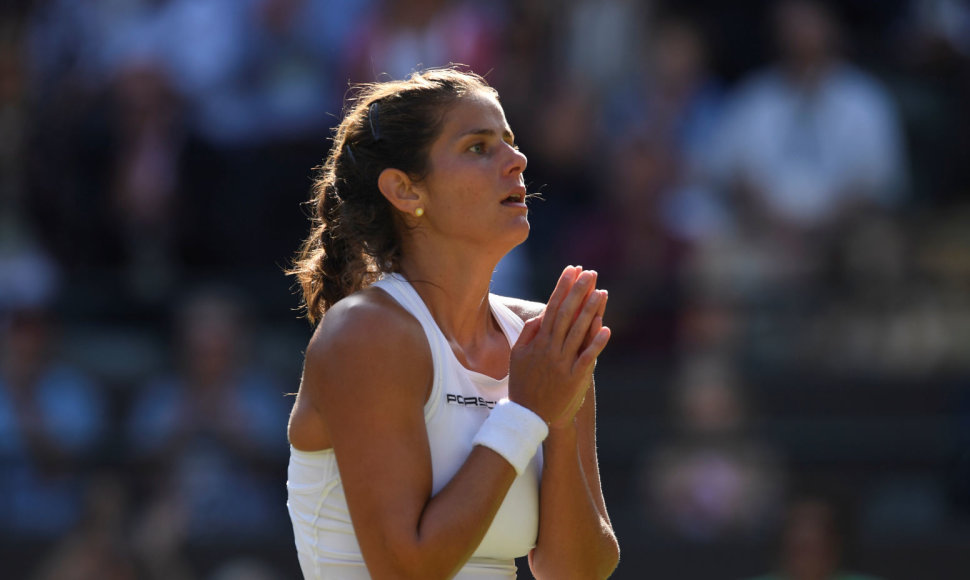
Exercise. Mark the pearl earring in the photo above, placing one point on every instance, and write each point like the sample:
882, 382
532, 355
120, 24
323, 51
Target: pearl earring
419, 212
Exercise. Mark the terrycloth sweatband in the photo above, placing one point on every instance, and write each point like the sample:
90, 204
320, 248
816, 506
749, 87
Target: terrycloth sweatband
513, 432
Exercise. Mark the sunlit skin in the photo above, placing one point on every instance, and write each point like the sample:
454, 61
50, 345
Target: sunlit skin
369, 364
467, 225
475, 167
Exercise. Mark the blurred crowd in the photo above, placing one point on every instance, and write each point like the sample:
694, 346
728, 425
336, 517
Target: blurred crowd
776, 194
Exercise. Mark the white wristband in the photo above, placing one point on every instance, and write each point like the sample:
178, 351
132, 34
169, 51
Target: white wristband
513, 432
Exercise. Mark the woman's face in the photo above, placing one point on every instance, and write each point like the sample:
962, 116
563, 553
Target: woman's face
475, 190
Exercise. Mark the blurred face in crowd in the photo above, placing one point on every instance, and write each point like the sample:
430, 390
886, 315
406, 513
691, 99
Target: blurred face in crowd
24, 346
211, 335
805, 32
811, 540
679, 55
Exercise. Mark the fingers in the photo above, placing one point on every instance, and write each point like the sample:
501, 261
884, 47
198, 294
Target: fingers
597, 323
587, 358
563, 286
582, 327
565, 317
554, 356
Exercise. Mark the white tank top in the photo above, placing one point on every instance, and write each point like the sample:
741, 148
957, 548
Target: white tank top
460, 401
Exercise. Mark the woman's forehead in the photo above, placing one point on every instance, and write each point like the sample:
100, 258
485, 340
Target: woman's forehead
473, 113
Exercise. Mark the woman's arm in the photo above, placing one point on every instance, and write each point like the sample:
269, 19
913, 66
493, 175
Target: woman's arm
576, 537
368, 372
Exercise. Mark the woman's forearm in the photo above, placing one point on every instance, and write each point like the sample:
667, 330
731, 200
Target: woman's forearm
576, 539
451, 526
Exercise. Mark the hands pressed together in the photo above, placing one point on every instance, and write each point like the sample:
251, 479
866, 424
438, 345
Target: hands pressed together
552, 362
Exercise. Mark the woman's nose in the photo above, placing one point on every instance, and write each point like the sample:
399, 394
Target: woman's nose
518, 161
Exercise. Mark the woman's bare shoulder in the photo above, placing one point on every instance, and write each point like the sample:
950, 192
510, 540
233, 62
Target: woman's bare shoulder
368, 355
364, 324
526, 309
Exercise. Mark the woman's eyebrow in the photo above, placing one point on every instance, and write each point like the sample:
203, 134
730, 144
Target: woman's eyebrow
506, 133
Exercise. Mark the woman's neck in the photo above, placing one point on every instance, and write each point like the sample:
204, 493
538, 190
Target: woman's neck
455, 290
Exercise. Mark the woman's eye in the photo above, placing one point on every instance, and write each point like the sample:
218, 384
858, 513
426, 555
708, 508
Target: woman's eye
477, 148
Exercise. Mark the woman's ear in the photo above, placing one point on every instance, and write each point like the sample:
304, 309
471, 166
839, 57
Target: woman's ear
398, 188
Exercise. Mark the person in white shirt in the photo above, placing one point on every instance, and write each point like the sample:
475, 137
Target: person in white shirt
416, 433
812, 137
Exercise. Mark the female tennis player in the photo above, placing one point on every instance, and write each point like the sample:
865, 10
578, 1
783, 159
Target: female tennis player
440, 430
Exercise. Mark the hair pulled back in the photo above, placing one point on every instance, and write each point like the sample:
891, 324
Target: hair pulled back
356, 232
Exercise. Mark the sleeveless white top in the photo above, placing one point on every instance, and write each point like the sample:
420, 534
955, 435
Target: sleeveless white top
460, 401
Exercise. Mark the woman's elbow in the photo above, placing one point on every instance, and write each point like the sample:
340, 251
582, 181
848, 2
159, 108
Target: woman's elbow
591, 564
611, 558
607, 558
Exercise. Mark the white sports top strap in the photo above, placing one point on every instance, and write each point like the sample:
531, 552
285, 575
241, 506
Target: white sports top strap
399, 289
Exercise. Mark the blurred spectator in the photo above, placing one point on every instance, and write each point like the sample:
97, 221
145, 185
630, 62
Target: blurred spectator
57, 84
147, 174
524, 53
637, 217
397, 38
247, 70
713, 480
210, 438
807, 149
812, 137
28, 274
673, 99
812, 544
294, 75
271, 72
13, 121
600, 41
670, 95
623, 236
927, 58
99, 547
709, 325
158, 539
563, 156
52, 420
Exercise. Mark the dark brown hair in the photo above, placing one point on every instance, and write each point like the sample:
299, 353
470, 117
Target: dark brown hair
356, 233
